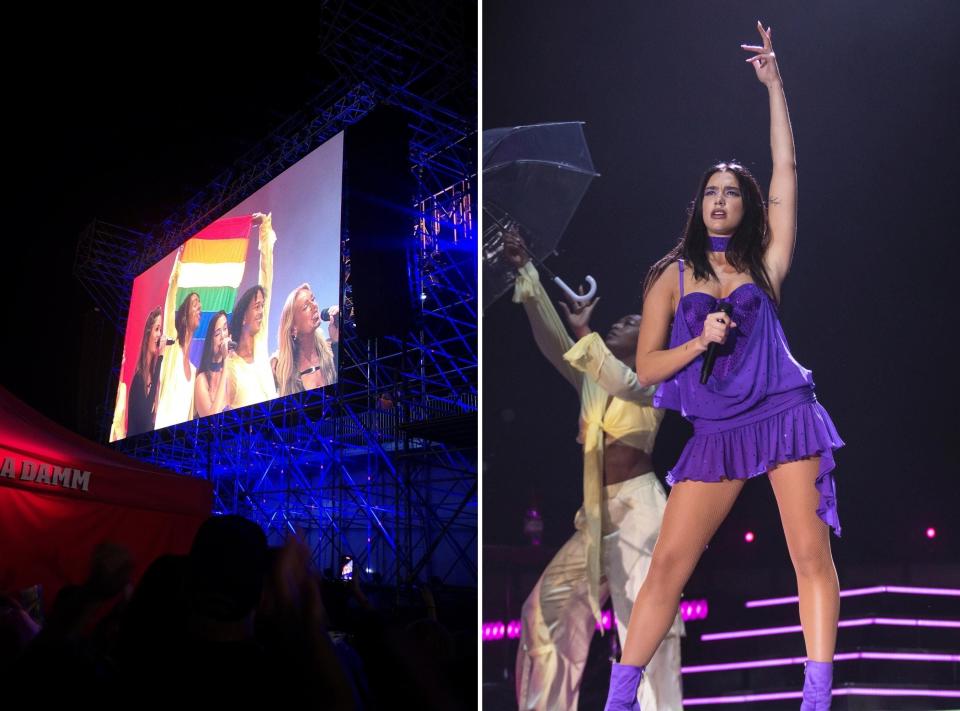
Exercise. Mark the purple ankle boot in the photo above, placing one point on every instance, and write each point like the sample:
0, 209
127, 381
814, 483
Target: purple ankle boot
817, 686
624, 682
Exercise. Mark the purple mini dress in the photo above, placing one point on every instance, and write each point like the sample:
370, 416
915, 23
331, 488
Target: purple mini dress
758, 408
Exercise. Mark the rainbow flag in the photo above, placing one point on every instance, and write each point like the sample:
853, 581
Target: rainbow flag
212, 265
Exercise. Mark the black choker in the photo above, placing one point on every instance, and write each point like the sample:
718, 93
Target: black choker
216, 367
312, 369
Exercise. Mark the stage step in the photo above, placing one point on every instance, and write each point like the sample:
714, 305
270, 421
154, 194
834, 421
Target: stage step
897, 648
845, 698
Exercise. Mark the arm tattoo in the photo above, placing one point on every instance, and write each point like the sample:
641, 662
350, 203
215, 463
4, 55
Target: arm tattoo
775, 200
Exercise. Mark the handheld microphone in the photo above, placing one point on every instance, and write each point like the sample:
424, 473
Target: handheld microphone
711, 356
325, 314
231, 344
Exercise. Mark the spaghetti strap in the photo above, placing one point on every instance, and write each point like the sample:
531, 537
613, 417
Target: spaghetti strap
680, 263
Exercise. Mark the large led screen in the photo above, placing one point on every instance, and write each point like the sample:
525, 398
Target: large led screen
245, 311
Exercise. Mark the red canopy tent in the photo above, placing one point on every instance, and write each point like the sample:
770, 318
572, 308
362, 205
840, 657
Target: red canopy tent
61, 495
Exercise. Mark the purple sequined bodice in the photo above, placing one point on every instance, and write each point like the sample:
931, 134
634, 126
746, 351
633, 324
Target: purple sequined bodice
753, 374
757, 410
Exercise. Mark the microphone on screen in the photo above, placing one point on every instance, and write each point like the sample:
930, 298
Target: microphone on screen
325, 314
231, 345
711, 356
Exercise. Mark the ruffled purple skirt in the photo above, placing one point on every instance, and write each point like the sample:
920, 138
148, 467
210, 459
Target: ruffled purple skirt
788, 427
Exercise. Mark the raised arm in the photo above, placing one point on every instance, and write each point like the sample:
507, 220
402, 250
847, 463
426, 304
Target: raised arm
170, 304
267, 238
548, 330
162, 403
782, 200
656, 362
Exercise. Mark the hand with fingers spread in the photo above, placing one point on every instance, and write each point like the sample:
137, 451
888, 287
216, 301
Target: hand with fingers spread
578, 315
716, 328
764, 60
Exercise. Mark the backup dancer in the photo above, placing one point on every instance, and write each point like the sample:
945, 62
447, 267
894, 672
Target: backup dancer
617, 526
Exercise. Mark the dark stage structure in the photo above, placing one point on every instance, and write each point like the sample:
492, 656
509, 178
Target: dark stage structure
382, 465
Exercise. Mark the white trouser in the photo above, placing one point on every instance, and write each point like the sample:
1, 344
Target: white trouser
558, 624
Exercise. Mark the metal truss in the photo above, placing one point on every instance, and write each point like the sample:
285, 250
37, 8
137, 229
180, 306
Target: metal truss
102, 264
345, 477
382, 466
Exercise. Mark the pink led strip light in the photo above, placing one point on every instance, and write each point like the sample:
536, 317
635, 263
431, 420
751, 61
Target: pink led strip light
845, 657
866, 621
496, 630
852, 691
856, 592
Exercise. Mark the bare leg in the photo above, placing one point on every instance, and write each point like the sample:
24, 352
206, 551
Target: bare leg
808, 540
694, 511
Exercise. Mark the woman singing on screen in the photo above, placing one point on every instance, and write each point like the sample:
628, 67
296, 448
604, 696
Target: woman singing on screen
757, 411
305, 360
210, 396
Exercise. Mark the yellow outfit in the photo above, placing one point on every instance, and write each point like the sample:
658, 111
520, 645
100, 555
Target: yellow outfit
617, 526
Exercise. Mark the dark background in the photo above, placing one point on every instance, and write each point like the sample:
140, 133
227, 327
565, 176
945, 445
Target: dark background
868, 306
123, 117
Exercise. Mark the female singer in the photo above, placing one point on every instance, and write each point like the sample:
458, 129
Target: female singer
210, 396
305, 360
757, 411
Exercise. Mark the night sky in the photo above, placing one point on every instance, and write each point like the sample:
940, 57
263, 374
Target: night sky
122, 119
665, 92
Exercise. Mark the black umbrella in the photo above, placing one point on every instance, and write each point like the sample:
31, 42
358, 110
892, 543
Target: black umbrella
534, 177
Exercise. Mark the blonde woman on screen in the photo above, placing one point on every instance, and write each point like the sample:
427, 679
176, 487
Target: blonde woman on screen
305, 359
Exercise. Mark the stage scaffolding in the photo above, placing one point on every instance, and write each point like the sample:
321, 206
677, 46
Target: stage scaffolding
382, 466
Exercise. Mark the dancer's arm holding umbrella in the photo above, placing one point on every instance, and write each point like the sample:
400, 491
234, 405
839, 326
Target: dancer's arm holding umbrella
548, 330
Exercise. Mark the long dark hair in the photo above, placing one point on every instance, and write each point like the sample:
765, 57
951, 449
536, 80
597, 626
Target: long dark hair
747, 246
152, 317
206, 359
180, 319
240, 310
